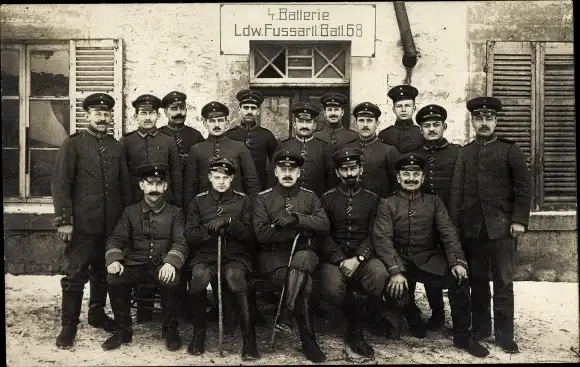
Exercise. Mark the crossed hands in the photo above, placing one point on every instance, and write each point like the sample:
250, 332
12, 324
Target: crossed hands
216, 225
286, 220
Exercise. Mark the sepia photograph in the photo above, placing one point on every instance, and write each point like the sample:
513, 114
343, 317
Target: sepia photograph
289, 183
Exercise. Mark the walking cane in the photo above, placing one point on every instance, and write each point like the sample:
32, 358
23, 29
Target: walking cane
282, 293
220, 304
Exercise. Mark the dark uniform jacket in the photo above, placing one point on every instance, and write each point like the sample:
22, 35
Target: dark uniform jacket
90, 183
185, 137
403, 135
404, 232
441, 159
146, 235
153, 147
336, 138
238, 236
352, 217
491, 188
316, 173
262, 145
197, 167
378, 160
272, 203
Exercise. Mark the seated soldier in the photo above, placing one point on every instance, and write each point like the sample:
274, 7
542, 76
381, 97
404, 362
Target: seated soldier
146, 246
348, 250
224, 212
280, 214
404, 239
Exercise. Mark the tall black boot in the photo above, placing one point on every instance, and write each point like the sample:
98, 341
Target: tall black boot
310, 346
435, 298
71, 310
171, 310
384, 318
97, 301
120, 297
356, 309
249, 347
145, 305
295, 281
257, 316
197, 344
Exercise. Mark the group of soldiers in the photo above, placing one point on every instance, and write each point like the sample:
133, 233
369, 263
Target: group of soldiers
357, 217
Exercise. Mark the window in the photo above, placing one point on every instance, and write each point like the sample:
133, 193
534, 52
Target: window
535, 82
299, 63
43, 87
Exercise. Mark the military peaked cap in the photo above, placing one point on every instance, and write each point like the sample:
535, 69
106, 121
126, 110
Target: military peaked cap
214, 109
430, 113
174, 97
401, 92
101, 101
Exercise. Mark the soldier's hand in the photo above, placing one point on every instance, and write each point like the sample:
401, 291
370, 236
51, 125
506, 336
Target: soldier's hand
65, 232
459, 272
517, 229
115, 268
349, 266
167, 273
216, 224
397, 285
286, 220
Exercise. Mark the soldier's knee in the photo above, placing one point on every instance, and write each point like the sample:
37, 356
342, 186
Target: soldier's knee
200, 278
305, 260
236, 279
115, 279
332, 285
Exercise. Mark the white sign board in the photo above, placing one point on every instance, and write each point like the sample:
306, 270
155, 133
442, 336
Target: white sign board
241, 23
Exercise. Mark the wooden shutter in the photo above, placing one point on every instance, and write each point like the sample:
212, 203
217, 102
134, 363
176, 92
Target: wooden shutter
511, 77
96, 66
557, 148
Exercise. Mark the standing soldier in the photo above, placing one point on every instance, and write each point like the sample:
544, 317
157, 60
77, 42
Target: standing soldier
224, 212
378, 159
260, 141
280, 214
90, 184
316, 172
403, 134
441, 156
218, 143
146, 246
176, 111
333, 132
348, 250
490, 203
146, 145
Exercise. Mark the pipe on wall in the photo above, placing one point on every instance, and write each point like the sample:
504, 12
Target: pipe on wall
409, 50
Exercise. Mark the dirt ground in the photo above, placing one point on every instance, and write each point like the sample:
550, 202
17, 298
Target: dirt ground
546, 329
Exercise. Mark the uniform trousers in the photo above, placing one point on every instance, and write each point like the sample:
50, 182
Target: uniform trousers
235, 274
273, 264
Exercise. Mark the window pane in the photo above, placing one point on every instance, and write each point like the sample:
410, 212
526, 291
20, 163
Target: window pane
9, 81
300, 73
259, 63
299, 51
299, 62
49, 73
41, 163
270, 72
269, 50
10, 122
329, 72
49, 123
10, 164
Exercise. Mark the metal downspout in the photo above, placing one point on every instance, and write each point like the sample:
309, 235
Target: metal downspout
409, 50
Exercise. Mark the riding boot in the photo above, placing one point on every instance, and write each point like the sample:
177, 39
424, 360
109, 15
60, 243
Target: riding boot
171, 310
120, 297
249, 347
295, 281
356, 309
197, 344
145, 304
257, 316
71, 310
97, 301
305, 321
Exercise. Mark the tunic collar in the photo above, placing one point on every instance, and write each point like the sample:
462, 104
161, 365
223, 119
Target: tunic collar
248, 126
217, 139
304, 140
287, 191
410, 195
143, 133
156, 209
404, 124
175, 127
439, 144
348, 191
484, 140
221, 196
332, 128
366, 142
96, 134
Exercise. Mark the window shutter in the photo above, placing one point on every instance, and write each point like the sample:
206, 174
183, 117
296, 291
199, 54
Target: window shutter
557, 126
96, 66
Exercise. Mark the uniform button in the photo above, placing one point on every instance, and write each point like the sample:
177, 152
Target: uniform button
150, 256
151, 250
349, 228
151, 244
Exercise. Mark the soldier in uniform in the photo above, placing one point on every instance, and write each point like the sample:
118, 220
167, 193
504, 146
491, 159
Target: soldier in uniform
176, 111
490, 203
260, 141
403, 235
378, 159
218, 143
349, 264
221, 211
403, 134
90, 188
316, 173
333, 132
146, 246
145, 145
280, 214
441, 156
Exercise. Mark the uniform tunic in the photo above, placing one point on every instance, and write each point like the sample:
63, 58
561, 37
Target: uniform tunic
261, 143
197, 167
378, 160
336, 137
403, 135
317, 173
142, 148
185, 137
441, 158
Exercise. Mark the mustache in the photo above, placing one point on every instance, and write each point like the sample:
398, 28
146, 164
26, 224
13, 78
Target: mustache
304, 129
411, 182
287, 178
216, 128
148, 121
333, 116
483, 128
155, 193
102, 123
180, 116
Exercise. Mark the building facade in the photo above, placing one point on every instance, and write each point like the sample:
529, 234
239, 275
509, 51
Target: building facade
521, 52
